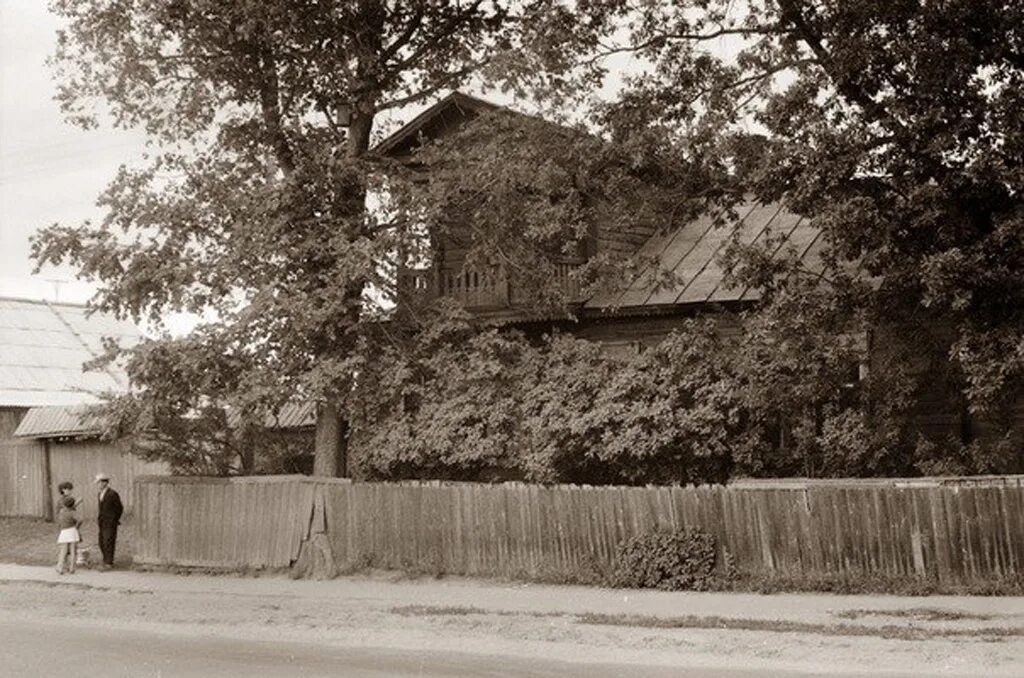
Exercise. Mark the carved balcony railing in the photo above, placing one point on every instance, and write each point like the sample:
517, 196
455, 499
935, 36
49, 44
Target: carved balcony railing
486, 288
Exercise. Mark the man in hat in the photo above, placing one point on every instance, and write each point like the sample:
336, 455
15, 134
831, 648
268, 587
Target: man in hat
108, 518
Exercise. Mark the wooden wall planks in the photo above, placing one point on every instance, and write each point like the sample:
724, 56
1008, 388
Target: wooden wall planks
954, 533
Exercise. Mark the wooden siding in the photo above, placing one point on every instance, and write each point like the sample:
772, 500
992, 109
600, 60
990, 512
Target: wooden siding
629, 335
78, 461
23, 479
10, 417
31, 469
953, 531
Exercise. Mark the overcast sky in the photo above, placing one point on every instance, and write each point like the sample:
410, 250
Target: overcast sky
49, 171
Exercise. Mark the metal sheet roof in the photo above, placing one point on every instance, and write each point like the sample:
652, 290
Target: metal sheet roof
296, 415
43, 347
57, 422
82, 421
291, 415
689, 257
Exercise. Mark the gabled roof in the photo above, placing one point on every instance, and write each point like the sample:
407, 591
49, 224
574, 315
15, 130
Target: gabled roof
43, 346
406, 138
689, 258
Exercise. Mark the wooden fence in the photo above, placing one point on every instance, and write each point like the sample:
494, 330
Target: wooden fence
954, 533
257, 521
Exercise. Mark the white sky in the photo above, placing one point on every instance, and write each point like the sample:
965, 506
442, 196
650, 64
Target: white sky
49, 171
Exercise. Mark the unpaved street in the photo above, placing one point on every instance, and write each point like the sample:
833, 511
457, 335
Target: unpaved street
27, 650
147, 624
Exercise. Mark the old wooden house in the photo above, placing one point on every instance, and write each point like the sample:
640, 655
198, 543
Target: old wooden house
644, 310
640, 312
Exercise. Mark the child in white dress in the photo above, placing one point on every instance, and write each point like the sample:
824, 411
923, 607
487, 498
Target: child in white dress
67, 540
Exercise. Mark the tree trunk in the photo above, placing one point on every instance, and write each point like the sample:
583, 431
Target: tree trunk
330, 459
331, 450
247, 453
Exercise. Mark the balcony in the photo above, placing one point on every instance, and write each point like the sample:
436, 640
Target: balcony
479, 289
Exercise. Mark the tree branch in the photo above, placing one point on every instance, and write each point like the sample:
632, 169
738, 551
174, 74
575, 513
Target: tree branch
664, 37
440, 34
792, 14
443, 83
270, 107
407, 34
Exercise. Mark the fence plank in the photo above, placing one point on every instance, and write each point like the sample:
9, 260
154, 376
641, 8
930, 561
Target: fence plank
950, 532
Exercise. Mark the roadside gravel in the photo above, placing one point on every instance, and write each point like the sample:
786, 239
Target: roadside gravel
823, 634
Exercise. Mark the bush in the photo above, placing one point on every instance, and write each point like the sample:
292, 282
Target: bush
671, 561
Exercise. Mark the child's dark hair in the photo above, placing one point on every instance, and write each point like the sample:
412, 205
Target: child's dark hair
69, 502
66, 485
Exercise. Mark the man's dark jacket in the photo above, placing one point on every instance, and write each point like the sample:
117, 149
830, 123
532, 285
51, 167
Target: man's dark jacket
110, 509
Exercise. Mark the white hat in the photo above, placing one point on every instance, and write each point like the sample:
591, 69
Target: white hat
101, 476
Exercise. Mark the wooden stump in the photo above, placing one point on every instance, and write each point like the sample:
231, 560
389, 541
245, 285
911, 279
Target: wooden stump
316, 559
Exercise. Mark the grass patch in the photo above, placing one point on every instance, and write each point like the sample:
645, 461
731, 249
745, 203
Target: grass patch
930, 614
866, 583
464, 610
243, 571
840, 584
74, 586
785, 626
889, 631
33, 541
437, 610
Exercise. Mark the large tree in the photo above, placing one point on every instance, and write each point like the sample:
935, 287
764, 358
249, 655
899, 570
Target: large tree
895, 126
252, 211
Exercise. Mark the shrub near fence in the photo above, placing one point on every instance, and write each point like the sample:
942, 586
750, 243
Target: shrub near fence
953, 533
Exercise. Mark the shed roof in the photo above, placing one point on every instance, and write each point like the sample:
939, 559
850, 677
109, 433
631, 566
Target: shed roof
43, 346
689, 257
59, 422
82, 421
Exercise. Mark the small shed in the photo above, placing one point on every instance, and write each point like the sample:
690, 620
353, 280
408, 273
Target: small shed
74, 452
44, 347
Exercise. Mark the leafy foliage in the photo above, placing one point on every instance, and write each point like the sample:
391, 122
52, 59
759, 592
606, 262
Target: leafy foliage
671, 561
782, 394
887, 124
553, 411
252, 209
893, 126
446, 408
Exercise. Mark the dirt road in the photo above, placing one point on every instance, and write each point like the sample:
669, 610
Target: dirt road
202, 624
27, 649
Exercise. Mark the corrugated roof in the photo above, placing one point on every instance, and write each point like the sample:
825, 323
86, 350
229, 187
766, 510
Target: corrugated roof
690, 258
296, 415
81, 421
43, 347
291, 415
58, 422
